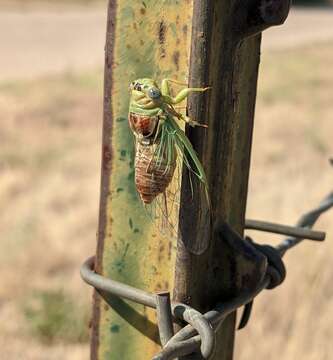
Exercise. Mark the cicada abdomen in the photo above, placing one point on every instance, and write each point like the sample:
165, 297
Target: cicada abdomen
154, 163
142, 125
153, 171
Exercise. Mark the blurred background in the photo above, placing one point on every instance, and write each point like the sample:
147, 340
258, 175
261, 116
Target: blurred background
51, 65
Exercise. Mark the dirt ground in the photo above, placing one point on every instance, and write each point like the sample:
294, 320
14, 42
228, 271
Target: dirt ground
50, 135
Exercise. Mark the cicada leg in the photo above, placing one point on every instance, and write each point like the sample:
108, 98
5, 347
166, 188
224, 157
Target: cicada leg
191, 122
182, 95
165, 85
173, 112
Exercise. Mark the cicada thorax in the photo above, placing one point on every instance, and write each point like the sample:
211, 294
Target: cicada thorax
153, 173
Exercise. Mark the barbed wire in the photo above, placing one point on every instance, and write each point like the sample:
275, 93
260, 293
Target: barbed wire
199, 334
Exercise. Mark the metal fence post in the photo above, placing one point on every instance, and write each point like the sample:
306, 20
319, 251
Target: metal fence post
208, 42
226, 38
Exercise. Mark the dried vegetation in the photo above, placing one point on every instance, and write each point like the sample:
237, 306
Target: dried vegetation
50, 135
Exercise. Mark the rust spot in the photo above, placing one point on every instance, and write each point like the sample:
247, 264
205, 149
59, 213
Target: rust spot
177, 41
128, 46
158, 286
161, 37
106, 157
161, 248
142, 42
161, 32
108, 61
169, 250
175, 58
185, 29
142, 11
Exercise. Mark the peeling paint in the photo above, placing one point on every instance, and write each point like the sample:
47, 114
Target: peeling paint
149, 42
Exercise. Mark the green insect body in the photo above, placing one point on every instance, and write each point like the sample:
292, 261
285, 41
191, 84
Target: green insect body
160, 142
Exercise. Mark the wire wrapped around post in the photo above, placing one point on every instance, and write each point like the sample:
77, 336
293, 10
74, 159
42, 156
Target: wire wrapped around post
199, 334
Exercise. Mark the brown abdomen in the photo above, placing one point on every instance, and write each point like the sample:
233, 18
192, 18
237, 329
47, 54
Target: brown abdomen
142, 124
152, 177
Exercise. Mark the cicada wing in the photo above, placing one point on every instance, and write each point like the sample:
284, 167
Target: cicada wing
194, 211
195, 197
164, 209
159, 170
157, 178
189, 157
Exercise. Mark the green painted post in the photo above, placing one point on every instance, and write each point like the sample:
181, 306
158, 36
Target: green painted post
148, 38
203, 42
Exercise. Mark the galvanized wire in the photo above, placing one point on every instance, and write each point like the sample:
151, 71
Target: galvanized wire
199, 334
164, 317
307, 221
179, 311
294, 231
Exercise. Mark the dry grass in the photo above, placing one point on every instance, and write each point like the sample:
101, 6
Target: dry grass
50, 147
290, 174
49, 187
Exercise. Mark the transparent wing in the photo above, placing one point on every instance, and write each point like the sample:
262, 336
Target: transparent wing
168, 155
164, 209
165, 168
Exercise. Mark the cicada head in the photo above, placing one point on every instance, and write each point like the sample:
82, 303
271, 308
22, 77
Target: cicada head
144, 108
145, 93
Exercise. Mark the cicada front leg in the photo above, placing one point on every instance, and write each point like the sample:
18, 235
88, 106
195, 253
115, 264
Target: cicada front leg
165, 85
182, 95
172, 111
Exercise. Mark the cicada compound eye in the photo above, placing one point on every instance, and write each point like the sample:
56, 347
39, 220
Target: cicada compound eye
154, 93
137, 86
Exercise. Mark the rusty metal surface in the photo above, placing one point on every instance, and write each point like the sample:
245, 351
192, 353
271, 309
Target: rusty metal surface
148, 38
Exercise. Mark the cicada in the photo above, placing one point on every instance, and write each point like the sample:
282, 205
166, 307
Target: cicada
161, 146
